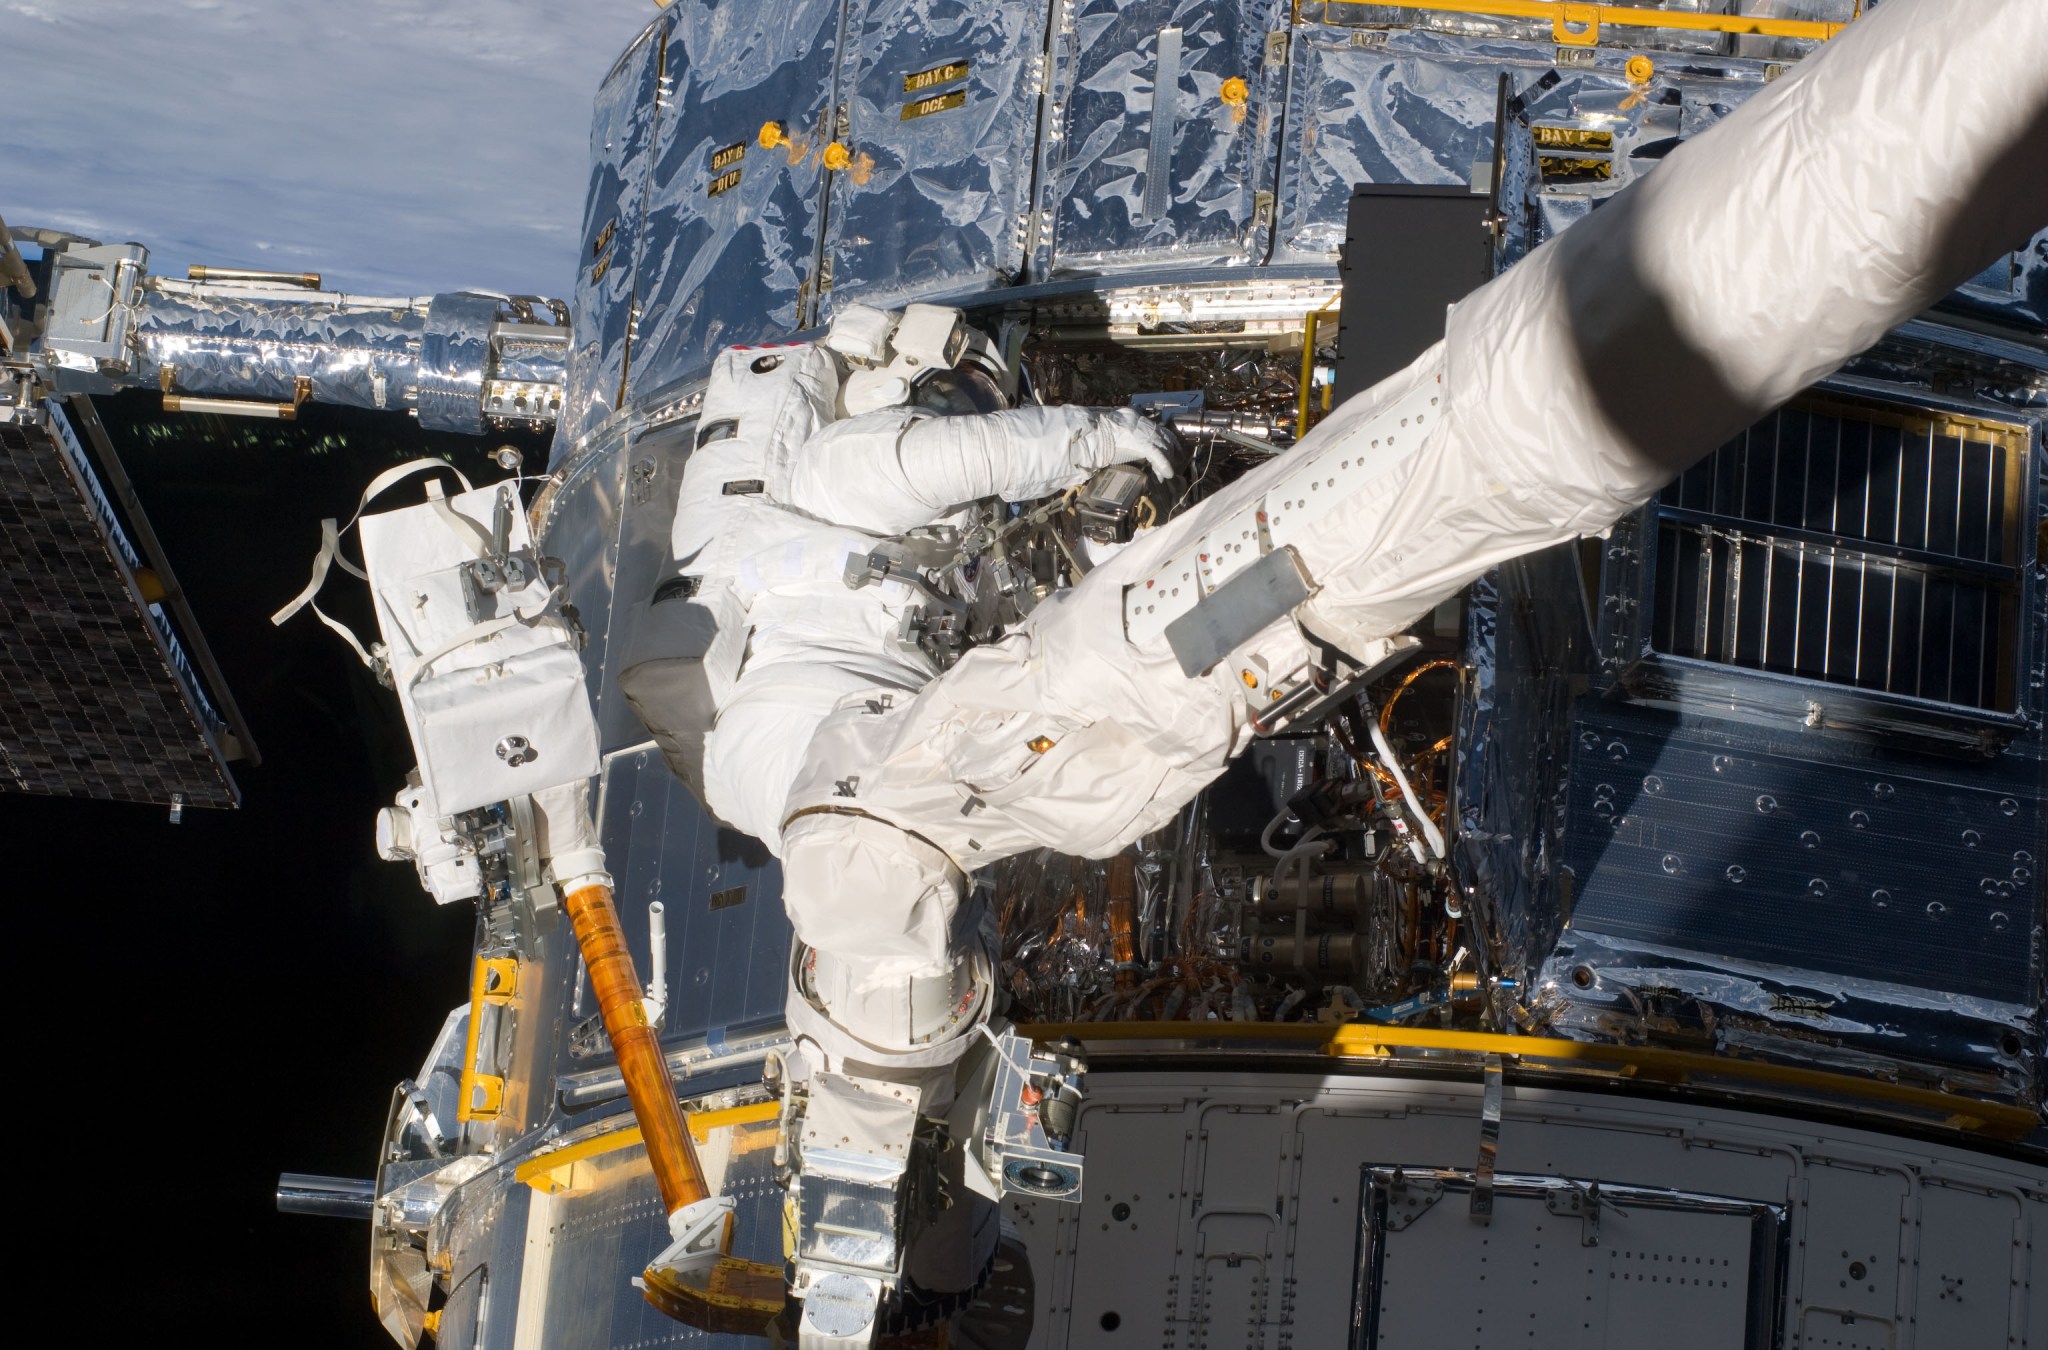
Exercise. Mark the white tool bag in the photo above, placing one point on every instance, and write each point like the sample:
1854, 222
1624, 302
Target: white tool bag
484, 662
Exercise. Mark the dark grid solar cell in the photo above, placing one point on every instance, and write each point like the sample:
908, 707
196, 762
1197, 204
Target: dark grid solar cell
89, 706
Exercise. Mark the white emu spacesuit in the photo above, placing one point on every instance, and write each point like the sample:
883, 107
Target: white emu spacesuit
795, 474
808, 457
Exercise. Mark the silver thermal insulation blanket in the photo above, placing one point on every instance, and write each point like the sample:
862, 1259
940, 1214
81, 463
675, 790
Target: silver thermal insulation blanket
430, 353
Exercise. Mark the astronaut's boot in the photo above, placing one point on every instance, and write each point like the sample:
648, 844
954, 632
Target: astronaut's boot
904, 1112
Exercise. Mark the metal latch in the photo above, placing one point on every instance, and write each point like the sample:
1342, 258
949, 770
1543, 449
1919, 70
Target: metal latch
1585, 1202
1409, 1199
1489, 1143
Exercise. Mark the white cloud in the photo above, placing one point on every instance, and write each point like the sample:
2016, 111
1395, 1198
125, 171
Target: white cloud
394, 145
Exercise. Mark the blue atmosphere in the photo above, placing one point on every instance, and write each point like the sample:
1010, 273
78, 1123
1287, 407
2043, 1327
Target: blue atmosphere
395, 146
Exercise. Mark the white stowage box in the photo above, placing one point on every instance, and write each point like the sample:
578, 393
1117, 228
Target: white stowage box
496, 705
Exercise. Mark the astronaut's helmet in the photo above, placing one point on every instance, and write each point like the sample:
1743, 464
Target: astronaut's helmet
961, 390
928, 357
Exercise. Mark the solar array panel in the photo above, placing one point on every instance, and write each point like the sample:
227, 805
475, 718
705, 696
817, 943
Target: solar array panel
96, 698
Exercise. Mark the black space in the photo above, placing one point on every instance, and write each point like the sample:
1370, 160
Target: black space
246, 987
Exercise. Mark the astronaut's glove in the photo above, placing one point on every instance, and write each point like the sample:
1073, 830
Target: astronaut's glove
1125, 436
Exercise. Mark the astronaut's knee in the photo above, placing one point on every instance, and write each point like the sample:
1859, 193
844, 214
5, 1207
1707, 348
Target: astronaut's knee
875, 896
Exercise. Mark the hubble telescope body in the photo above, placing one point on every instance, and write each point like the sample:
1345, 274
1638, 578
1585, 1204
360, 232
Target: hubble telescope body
1529, 832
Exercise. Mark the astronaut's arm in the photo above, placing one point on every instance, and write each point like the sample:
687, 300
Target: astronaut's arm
892, 471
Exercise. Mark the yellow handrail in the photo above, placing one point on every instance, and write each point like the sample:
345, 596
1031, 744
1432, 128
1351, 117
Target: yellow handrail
1308, 364
1362, 1040
492, 979
1578, 25
538, 1171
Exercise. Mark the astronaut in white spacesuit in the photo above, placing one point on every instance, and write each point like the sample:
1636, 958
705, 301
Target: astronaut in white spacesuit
808, 459
809, 456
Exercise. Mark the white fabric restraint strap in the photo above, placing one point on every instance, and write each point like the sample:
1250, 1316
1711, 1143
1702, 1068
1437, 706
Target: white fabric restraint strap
476, 632
330, 551
479, 538
329, 542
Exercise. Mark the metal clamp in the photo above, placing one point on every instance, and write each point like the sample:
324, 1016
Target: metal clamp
1585, 1202
1031, 1091
1489, 1144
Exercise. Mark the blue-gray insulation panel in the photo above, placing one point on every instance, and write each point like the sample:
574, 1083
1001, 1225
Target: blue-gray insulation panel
1883, 872
728, 941
732, 224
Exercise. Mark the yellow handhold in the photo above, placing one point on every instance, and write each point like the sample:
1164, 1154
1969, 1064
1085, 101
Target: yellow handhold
1575, 25
483, 1098
1235, 94
492, 979
432, 1323
1640, 69
702, 1123
550, 1172
837, 156
772, 135
500, 979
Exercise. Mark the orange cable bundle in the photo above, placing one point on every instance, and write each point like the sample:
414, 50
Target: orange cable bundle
670, 1151
1123, 906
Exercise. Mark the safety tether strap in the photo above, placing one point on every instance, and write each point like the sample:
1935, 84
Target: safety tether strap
330, 555
410, 673
479, 538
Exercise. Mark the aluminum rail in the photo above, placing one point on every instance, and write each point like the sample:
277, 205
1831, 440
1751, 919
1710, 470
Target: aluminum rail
326, 1197
1362, 1041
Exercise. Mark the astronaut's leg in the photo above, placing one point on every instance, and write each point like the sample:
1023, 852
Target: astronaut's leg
908, 1116
872, 1069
